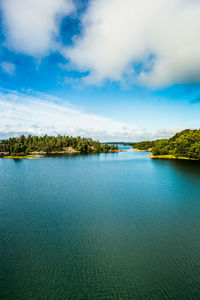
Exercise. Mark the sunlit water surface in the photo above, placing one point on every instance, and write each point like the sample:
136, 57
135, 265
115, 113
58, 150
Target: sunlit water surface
108, 226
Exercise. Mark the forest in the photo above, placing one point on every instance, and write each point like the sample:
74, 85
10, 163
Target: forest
21, 146
184, 144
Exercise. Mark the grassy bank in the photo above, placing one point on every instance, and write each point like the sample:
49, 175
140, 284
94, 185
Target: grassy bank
169, 157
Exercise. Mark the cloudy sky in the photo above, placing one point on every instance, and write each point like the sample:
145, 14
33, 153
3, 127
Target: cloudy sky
109, 69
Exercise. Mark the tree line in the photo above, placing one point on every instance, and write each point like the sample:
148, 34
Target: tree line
26, 145
183, 144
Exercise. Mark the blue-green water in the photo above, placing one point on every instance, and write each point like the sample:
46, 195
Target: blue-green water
108, 226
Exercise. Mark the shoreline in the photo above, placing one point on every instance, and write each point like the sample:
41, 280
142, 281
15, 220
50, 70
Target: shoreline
172, 157
167, 156
138, 150
41, 154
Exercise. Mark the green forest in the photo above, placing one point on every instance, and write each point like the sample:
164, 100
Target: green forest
21, 146
184, 144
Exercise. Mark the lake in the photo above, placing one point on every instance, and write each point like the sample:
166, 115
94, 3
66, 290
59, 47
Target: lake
108, 226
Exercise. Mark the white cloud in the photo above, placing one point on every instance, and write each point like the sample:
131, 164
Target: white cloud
8, 67
31, 26
35, 113
160, 37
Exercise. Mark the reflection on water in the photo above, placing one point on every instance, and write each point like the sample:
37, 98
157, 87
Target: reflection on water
108, 226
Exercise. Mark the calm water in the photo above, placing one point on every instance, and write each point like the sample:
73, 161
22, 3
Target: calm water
108, 226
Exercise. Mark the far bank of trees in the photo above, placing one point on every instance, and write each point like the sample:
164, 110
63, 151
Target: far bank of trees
144, 145
26, 145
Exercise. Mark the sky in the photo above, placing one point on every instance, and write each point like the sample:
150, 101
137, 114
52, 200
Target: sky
112, 70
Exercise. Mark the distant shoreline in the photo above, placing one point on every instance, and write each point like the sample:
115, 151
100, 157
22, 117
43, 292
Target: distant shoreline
41, 154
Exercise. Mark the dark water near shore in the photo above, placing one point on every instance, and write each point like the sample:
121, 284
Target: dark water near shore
108, 226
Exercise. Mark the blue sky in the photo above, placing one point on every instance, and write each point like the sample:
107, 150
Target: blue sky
109, 69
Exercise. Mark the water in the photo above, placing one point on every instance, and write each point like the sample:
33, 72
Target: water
108, 226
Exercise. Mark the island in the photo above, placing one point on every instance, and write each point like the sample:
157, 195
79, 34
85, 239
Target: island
183, 145
38, 146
